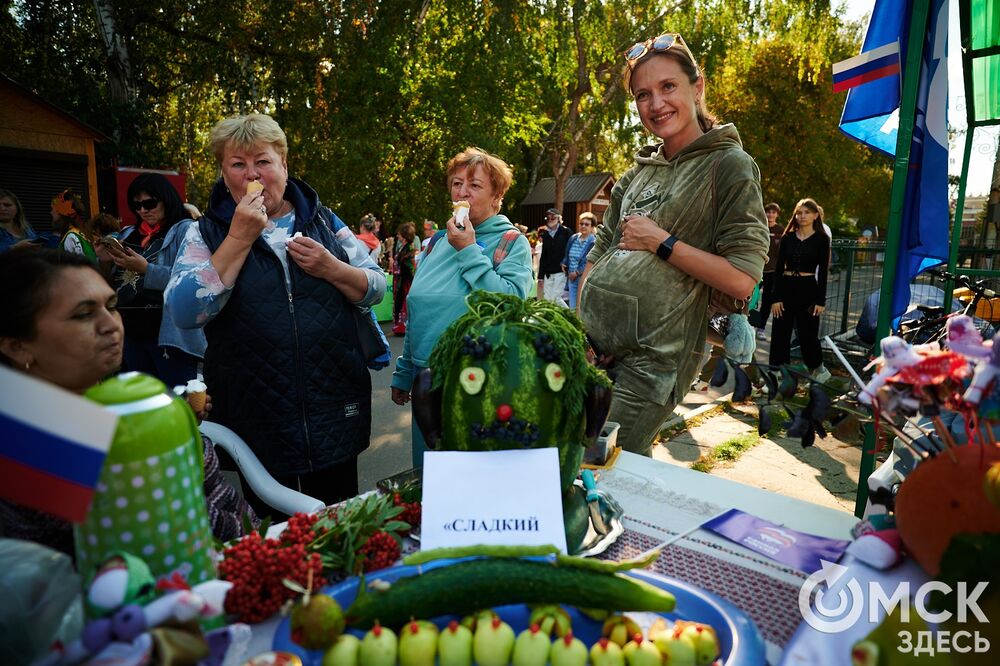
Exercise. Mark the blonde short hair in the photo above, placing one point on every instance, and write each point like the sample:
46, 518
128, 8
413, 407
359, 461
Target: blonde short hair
499, 173
245, 132
587, 216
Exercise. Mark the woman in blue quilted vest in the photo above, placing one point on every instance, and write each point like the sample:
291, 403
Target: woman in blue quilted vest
275, 279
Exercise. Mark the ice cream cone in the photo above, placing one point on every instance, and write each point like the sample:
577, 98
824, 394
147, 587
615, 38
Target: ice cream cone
197, 400
196, 394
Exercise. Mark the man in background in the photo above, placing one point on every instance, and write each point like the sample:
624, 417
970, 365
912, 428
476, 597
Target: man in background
554, 236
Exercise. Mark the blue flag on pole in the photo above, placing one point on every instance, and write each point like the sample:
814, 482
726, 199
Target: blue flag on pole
871, 116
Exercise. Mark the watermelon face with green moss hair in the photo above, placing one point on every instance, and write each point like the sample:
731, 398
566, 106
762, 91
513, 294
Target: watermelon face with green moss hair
506, 389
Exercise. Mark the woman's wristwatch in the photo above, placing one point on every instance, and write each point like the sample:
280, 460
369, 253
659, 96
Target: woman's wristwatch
664, 249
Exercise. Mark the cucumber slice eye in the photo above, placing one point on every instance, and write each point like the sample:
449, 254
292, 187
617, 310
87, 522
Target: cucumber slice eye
554, 376
472, 379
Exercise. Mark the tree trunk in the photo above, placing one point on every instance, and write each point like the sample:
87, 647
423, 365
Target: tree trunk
119, 70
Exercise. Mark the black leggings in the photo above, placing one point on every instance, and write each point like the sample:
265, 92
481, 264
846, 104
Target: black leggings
800, 294
766, 298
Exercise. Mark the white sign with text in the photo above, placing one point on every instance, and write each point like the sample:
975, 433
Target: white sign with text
492, 497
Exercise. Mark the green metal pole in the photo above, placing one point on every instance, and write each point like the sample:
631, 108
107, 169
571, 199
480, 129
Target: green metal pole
907, 111
846, 310
956, 225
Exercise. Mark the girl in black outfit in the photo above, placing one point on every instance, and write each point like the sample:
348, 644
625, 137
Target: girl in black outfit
799, 295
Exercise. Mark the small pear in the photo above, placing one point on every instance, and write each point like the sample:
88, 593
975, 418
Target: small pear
493, 643
455, 645
639, 652
706, 643
606, 653
471, 622
568, 651
531, 647
677, 648
620, 628
378, 647
344, 652
418, 644
553, 620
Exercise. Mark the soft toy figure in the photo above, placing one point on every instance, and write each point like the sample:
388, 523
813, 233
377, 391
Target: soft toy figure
122, 595
513, 373
741, 342
120, 580
880, 549
897, 354
964, 338
986, 373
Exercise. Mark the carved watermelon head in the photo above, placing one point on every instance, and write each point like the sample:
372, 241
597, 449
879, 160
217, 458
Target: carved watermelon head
513, 375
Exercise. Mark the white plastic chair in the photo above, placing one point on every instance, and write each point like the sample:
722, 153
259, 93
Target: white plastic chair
271, 492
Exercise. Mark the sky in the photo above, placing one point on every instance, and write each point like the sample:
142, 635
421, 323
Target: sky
984, 146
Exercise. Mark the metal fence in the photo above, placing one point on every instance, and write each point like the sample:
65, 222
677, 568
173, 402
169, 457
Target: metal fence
856, 272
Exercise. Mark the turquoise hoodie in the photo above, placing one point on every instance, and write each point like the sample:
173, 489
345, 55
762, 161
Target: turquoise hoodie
445, 277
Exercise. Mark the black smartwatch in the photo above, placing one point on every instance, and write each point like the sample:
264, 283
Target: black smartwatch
666, 247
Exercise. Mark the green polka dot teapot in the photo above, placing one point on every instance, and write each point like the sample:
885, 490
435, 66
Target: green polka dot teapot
150, 497
513, 373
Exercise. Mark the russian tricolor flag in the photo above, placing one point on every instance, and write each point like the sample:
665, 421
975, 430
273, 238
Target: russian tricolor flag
52, 446
868, 66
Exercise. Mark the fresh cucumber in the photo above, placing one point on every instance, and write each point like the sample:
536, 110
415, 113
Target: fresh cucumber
454, 552
472, 585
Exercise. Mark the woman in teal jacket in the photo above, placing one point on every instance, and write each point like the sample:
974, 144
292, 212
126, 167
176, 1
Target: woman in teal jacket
486, 253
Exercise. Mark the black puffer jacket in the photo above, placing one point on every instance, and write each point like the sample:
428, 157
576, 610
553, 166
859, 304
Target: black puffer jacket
285, 368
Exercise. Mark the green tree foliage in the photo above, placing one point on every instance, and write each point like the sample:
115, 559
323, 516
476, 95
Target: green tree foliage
779, 93
377, 95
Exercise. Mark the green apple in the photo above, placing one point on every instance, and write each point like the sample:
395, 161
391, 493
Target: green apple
706, 643
344, 652
455, 645
677, 648
606, 653
493, 643
418, 644
378, 647
531, 647
620, 629
317, 622
568, 651
639, 652
552, 619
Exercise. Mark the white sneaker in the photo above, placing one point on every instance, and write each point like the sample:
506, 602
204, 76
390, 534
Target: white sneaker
761, 335
821, 374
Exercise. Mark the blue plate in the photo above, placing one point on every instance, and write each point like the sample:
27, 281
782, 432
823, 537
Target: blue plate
739, 639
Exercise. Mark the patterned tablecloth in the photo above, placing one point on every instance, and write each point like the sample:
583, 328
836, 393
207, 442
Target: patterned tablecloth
662, 501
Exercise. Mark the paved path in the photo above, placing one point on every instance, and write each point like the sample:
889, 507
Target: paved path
825, 473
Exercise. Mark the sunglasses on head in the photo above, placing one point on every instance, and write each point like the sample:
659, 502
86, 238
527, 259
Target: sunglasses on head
660, 44
145, 204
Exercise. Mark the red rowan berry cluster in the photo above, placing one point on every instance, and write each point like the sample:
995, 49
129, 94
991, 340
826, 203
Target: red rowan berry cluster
257, 568
411, 512
380, 551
